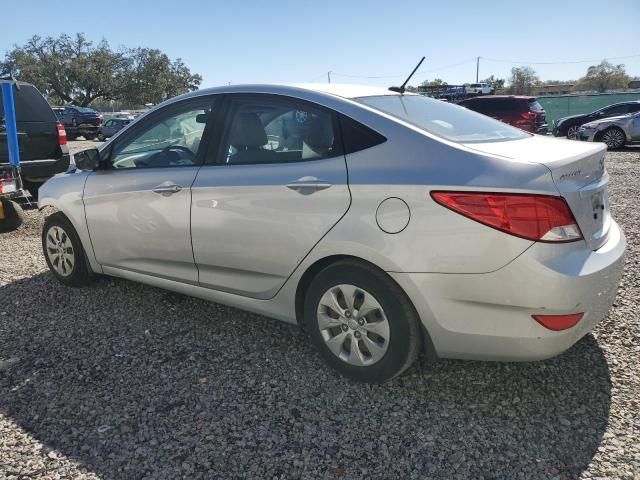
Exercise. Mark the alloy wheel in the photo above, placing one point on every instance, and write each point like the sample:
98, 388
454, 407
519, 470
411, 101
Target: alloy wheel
614, 138
60, 251
353, 325
572, 132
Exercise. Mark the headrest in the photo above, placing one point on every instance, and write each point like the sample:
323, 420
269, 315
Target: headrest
247, 131
319, 136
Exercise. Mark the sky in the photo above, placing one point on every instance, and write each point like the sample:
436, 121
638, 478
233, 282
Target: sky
288, 41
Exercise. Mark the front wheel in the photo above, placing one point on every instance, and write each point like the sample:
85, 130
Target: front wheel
63, 251
572, 132
614, 138
362, 322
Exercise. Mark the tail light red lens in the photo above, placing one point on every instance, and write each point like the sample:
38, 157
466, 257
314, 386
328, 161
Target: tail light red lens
530, 116
62, 135
541, 218
558, 322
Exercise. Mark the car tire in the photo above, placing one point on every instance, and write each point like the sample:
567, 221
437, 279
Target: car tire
101, 138
613, 137
63, 252
388, 336
13, 216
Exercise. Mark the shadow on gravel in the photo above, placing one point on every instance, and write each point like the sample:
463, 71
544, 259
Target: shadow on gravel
135, 382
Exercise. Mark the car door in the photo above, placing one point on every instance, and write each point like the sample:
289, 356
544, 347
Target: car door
138, 209
635, 128
275, 185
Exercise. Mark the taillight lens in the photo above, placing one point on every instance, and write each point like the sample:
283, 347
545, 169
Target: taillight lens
531, 116
558, 322
62, 134
542, 218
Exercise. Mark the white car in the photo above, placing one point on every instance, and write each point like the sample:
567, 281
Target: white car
479, 89
385, 223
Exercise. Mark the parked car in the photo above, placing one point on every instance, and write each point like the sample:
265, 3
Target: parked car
520, 111
43, 141
387, 224
569, 126
73, 116
111, 127
480, 89
453, 94
615, 132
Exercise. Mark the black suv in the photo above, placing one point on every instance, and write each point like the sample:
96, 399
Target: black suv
42, 140
568, 126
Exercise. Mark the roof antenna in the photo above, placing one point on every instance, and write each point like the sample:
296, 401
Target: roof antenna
401, 89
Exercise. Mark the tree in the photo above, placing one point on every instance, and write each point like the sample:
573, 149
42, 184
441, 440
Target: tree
497, 83
602, 77
438, 82
522, 80
74, 70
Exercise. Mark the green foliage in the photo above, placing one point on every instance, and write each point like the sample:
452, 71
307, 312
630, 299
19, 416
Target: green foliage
74, 70
438, 82
497, 83
522, 80
603, 77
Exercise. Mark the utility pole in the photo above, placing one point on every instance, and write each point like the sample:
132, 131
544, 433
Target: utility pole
329, 76
477, 68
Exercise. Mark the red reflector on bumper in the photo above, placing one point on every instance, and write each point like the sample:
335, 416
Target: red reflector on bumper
558, 322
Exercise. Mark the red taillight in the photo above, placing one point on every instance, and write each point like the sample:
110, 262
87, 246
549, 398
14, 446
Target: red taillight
541, 218
530, 116
62, 135
558, 322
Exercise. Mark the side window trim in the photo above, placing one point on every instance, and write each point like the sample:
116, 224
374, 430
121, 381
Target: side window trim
141, 127
216, 153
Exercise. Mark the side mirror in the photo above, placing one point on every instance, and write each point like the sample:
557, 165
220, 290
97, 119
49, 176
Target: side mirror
202, 118
88, 160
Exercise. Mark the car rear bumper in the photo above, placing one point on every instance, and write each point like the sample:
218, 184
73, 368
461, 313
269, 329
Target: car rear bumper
489, 316
42, 170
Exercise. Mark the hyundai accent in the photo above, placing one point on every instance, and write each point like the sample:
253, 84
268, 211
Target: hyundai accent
386, 224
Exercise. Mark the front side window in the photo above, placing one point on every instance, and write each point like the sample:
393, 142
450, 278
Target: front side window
170, 139
442, 119
278, 130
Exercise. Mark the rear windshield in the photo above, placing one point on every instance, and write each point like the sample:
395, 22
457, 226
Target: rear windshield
534, 106
443, 119
85, 110
30, 105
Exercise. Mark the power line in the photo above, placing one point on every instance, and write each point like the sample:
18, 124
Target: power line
522, 62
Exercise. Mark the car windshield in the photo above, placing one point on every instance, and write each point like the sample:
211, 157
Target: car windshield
445, 120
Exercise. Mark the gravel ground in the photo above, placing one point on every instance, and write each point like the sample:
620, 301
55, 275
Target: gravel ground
121, 380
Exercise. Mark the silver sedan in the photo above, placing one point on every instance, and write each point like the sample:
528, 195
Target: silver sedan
614, 132
386, 224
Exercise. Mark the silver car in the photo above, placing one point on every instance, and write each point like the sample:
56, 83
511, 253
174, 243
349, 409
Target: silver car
386, 224
615, 132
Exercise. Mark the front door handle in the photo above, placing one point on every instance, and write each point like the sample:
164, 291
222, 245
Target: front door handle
307, 185
167, 189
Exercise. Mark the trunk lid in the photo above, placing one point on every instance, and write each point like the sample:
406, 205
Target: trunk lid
578, 172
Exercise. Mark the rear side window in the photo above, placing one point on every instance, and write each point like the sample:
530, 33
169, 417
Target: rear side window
634, 107
356, 136
273, 129
30, 105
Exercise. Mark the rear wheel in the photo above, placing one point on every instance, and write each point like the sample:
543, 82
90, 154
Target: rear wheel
614, 138
12, 216
64, 253
101, 137
362, 322
572, 132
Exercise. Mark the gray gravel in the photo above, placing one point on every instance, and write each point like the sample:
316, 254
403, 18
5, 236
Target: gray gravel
121, 380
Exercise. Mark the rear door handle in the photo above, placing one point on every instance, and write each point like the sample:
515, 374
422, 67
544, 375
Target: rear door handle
306, 185
167, 189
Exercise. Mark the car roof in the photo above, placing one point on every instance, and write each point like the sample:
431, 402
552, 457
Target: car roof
342, 90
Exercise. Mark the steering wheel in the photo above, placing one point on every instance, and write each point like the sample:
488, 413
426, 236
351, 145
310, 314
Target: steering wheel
180, 148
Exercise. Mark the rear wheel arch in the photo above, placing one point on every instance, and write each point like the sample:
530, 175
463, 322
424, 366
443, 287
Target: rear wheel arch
319, 265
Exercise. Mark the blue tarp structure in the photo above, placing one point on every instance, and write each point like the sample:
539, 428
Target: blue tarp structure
10, 123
